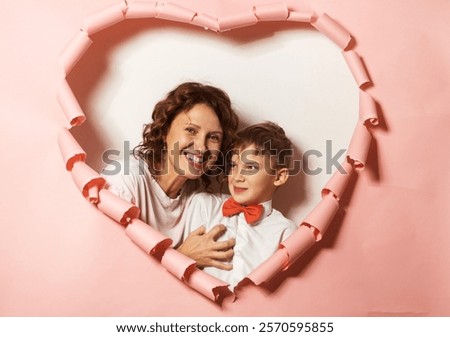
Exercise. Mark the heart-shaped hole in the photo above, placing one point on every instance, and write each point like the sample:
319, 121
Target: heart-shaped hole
289, 72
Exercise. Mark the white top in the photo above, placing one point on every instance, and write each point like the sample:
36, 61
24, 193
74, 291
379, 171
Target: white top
137, 186
254, 243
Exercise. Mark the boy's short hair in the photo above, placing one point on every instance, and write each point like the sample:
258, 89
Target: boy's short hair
269, 139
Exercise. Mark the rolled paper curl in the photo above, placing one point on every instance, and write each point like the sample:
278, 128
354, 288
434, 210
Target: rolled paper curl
320, 217
269, 268
70, 105
93, 194
271, 12
146, 237
206, 21
141, 10
74, 50
333, 30
116, 208
367, 109
297, 244
300, 17
338, 182
105, 18
178, 264
85, 178
172, 12
359, 146
70, 149
357, 68
207, 285
237, 21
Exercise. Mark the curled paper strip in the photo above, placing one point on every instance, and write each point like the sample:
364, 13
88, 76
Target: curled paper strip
357, 68
333, 30
237, 21
93, 195
271, 12
320, 217
206, 21
298, 243
300, 17
208, 285
74, 50
70, 149
146, 237
359, 146
170, 11
70, 105
269, 268
178, 264
116, 208
104, 18
85, 178
141, 10
367, 109
338, 182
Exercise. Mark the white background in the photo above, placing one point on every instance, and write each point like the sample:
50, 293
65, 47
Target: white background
284, 72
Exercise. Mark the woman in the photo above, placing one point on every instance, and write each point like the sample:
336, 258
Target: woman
183, 148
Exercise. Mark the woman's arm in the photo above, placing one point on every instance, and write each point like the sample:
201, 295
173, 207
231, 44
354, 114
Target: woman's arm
206, 251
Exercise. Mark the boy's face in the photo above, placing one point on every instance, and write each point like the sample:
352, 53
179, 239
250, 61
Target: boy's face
251, 179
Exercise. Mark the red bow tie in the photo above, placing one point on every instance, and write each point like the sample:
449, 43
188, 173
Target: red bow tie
252, 213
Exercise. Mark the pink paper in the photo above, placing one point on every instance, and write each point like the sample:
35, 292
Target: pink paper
178, 264
93, 194
105, 18
70, 105
173, 12
338, 182
359, 146
367, 109
243, 19
271, 12
356, 66
207, 285
300, 17
269, 268
298, 243
85, 178
333, 30
116, 208
146, 237
70, 149
74, 50
141, 10
206, 21
319, 218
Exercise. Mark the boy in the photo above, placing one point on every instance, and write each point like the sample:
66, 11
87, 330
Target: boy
259, 165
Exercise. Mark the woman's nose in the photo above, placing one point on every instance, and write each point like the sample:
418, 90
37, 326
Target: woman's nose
200, 144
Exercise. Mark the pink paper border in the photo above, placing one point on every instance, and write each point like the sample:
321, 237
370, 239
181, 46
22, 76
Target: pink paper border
319, 218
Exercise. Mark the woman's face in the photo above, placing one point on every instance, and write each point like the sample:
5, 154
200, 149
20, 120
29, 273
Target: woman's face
193, 141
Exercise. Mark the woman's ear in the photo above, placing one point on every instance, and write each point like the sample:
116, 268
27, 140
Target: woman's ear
282, 176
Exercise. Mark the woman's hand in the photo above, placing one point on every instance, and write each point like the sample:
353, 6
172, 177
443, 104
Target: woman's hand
206, 251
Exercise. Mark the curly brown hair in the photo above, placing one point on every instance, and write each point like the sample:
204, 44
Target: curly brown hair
183, 98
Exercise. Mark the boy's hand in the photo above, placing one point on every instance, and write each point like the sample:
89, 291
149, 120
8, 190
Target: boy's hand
206, 251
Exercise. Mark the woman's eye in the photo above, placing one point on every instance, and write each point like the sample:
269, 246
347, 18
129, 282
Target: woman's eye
190, 130
215, 138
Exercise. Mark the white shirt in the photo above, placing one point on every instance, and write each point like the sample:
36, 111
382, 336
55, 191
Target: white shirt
254, 243
138, 187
